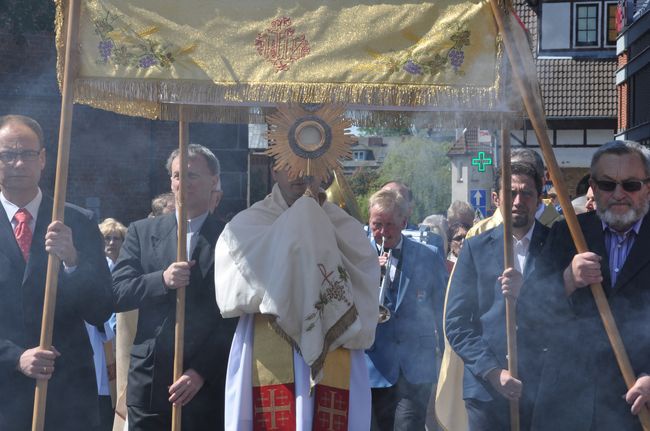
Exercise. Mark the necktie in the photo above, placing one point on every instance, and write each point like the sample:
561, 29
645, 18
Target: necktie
23, 232
393, 284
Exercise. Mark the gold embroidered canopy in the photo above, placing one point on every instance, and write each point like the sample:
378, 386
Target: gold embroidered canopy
232, 58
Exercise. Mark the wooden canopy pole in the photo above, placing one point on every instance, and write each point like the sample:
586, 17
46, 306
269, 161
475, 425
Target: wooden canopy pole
60, 186
181, 256
508, 262
536, 115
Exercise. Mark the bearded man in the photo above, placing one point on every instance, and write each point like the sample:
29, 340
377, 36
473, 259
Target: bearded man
475, 319
581, 368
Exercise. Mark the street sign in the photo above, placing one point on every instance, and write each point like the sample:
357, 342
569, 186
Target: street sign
478, 200
484, 137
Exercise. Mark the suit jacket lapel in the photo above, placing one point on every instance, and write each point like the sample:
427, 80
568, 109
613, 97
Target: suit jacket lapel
11, 249
535, 247
638, 257
164, 240
37, 255
593, 232
205, 244
498, 247
409, 261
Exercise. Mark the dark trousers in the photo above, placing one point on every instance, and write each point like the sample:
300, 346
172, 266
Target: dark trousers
488, 415
197, 415
106, 413
142, 420
401, 407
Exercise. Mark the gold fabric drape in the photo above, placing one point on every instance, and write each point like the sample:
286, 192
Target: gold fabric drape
142, 57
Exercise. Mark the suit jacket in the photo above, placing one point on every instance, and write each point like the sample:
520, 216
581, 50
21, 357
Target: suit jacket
581, 366
149, 248
475, 320
409, 340
84, 294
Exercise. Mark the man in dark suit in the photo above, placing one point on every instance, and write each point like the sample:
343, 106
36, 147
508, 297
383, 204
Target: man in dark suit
581, 368
146, 276
475, 315
402, 361
27, 235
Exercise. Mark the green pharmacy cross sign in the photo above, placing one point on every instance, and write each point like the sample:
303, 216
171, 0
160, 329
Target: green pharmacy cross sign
481, 160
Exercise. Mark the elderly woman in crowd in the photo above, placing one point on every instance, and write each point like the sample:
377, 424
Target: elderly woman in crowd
113, 232
455, 237
100, 338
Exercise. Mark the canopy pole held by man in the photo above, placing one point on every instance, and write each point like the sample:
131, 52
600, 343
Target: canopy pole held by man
536, 115
181, 256
60, 186
508, 262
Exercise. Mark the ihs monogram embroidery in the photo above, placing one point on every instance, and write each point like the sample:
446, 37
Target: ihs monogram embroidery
280, 45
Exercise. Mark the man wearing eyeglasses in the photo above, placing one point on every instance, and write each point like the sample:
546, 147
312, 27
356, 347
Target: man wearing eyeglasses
27, 235
582, 369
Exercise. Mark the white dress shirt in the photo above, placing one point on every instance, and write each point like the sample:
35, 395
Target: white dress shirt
11, 209
520, 248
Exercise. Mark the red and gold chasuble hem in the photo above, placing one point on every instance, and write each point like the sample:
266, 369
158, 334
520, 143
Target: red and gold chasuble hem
274, 408
331, 409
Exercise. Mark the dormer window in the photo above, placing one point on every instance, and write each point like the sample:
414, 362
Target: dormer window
577, 28
586, 24
612, 31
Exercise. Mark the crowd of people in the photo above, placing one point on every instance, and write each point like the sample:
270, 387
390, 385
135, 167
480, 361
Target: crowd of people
299, 318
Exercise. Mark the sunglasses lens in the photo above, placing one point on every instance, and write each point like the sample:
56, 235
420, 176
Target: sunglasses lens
606, 186
631, 186
628, 186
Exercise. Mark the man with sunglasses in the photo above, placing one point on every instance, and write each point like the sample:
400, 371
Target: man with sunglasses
27, 235
581, 367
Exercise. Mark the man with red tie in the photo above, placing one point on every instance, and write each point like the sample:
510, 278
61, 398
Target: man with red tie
27, 235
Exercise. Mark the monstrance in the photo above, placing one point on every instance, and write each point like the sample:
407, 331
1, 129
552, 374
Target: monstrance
308, 140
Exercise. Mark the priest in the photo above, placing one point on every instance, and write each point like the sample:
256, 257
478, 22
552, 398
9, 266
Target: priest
302, 277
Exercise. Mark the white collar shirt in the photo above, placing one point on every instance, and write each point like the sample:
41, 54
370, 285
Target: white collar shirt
11, 209
33, 206
193, 227
392, 265
520, 248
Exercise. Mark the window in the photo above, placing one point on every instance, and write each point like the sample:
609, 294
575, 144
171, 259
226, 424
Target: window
359, 155
578, 28
587, 24
612, 31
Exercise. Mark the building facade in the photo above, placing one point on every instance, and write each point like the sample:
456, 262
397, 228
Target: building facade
633, 74
574, 47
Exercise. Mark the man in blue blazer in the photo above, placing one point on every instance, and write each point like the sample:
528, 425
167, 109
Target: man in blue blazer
475, 316
402, 361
